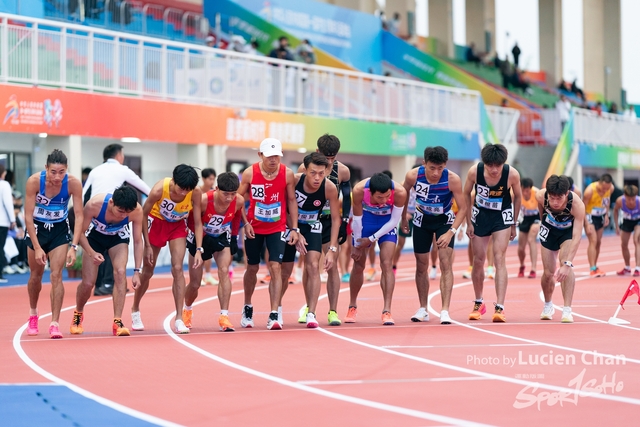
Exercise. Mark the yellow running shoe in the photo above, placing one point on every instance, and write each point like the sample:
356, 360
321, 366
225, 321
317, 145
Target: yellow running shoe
76, 324
333, 318
303, 314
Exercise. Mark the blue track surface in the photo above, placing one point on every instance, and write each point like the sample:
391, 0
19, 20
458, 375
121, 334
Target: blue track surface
55, 405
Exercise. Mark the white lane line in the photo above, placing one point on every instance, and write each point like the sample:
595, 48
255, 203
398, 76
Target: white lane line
299, 386
459, 346
17, 345
513, 337
593, 319
394, 381
486, 375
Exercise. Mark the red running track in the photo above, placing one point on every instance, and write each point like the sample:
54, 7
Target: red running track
410, 374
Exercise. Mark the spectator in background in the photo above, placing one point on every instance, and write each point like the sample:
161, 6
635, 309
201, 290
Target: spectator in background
576, 90
304, 52
520, 81
210, 41
598, 108
282, 51
472, 56
613, 108
237, 44
394, 24
506, 72
85, 175
383, 21
504, 102
630, 113
252, 49
7, 217
516, 55
563, 106
19, 262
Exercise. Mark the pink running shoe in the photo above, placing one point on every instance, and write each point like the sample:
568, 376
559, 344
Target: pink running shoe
54, 332
32, 328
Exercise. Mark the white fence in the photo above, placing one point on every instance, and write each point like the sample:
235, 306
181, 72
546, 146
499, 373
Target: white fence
51, 53
608, 129
505, 122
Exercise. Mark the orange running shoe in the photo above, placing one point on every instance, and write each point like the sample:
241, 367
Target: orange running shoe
186, 317
597, 273
225, 323
387, 319
351, 315
498, 315
478, 310
521, 271
266, 279
76, 324
119, 330
370, 273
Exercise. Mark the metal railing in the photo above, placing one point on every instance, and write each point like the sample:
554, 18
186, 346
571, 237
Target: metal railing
505, 122
41, 52
606, 129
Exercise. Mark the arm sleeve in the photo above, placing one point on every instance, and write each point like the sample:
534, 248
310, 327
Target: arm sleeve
396, 215
136, 182
235, 223
356, 228
345, 189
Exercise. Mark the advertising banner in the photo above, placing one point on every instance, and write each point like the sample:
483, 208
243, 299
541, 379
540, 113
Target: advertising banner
236, 20
59, 112
339, 31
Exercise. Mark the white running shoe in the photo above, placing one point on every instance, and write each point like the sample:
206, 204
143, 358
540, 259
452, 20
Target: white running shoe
280, 319
444, 318
181, 328
136, 321
547, 312
421, 315
272, 323
567, 317
247, 317
491, 272
433, 273
311, 321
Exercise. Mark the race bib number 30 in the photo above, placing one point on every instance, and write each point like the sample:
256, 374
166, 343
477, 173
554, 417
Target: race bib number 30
167, 207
